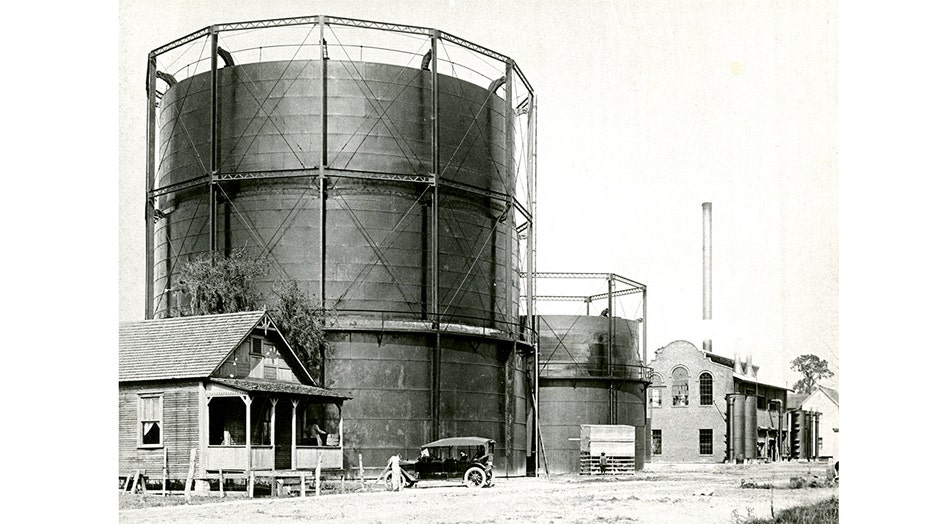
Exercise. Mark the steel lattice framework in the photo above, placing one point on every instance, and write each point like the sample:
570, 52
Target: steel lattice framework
518, 213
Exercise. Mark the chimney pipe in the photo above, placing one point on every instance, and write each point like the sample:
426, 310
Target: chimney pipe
707, 273
707, 261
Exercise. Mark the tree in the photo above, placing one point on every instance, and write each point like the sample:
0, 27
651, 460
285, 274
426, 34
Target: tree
302, 321
813, 369
225, 285
221, 284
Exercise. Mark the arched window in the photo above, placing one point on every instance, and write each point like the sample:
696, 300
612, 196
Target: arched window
656, 390
680, 389
705, 389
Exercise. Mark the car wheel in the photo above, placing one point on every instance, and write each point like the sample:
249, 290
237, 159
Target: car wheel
474, 477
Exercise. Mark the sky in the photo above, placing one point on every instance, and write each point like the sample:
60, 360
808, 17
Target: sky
646, 110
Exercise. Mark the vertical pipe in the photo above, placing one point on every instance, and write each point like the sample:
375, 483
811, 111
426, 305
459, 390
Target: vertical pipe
212, 195
729, 428
150, 185
435, 235
644, 325
322, 163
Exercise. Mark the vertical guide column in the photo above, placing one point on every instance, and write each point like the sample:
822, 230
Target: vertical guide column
509, 118
508, 115
435, 238
212, 184
612, 408
322, 163
150, 185
531, 268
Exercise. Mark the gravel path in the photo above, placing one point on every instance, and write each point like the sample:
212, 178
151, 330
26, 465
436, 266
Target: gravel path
660, 494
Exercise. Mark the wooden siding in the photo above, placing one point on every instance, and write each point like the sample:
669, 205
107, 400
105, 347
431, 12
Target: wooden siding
179, 428
242, 363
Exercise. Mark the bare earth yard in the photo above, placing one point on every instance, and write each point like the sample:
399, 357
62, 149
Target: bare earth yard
660, 494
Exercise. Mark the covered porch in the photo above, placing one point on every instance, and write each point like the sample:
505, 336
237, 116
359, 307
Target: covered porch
259, 425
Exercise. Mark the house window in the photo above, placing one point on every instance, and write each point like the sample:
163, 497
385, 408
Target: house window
656, 397
256, 348
656, 442
680, 387
150, 420
705, 441
705, 389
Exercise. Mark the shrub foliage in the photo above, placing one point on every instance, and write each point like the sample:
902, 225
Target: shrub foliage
221, 284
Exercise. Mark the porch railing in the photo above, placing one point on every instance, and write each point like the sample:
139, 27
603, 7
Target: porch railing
233, 458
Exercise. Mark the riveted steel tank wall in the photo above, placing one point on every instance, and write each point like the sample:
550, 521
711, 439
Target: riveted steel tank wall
578, 388
378, 121
482, 393
572, 343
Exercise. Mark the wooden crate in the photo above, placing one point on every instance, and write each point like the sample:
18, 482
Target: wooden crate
616, 465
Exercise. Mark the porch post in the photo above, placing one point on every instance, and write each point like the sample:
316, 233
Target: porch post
294, 434
248, 401
203, 437
274, 402
340, 409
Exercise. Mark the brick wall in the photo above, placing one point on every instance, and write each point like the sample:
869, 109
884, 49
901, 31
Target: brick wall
680, 425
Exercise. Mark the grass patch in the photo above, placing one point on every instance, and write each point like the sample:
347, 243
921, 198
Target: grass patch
809, 481
823, 512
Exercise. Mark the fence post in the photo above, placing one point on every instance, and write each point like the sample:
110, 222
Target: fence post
190, 478
362, 477
317, 478
165, 471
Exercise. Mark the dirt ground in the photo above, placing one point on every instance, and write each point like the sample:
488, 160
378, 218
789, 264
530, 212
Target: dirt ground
659, 494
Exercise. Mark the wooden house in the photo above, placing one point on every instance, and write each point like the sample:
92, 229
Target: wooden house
228, 386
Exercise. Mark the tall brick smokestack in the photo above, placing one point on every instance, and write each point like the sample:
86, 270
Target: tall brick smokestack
707, 273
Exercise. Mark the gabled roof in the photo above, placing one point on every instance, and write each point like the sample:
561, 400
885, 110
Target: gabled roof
269, 386
832, 394
180, 348
795, 400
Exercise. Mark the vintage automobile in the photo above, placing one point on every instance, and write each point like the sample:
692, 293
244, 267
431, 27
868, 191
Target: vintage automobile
463, 459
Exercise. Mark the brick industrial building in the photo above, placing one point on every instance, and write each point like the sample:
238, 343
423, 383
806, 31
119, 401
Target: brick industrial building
687, 405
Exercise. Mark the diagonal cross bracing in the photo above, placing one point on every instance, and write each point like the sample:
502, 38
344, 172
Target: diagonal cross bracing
472, 266
261, 104
382, 112
379, 253
464, 249
488, 145
560, 341
387, 242
416, 74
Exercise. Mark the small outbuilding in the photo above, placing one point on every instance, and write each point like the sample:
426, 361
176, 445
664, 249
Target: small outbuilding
228, 386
